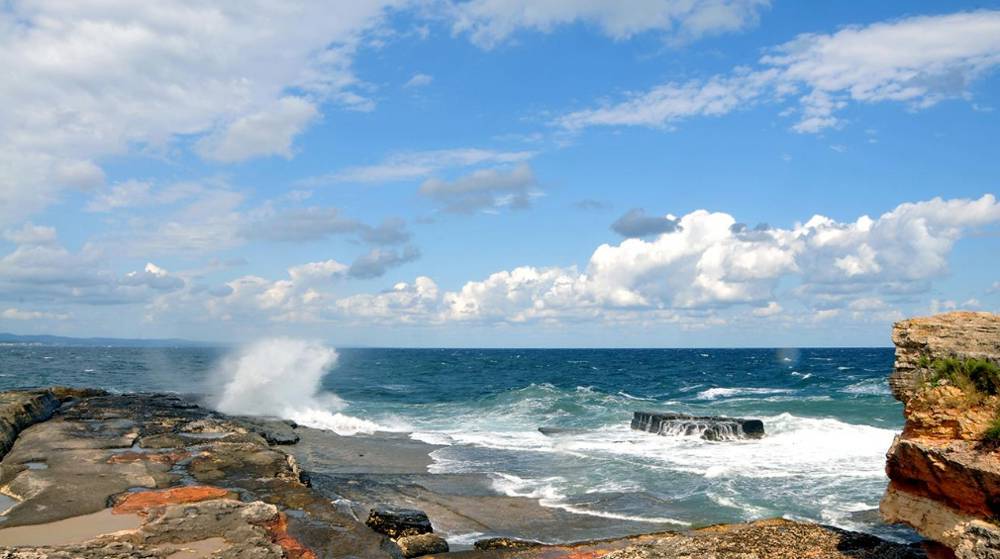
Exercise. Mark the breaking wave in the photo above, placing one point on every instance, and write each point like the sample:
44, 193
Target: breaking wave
716, 393
281, 377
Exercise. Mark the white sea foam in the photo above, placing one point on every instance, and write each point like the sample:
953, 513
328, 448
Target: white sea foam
715, 393
281, 377
871, 386
624, 394
548, 495
794, 446
438, 439
464, 539
828, 452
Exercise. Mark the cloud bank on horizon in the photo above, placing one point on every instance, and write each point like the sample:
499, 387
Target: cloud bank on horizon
496, 172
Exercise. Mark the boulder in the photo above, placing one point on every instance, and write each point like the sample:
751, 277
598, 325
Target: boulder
397, 522
710, 428
275, 431
421, 544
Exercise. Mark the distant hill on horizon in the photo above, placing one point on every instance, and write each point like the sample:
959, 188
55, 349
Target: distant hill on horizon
45, 339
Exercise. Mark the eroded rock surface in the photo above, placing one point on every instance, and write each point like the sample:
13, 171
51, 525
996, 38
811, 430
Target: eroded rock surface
199, 483
944, 478
955, 334
765, 539
21, 409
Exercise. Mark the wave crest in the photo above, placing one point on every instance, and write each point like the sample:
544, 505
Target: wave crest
282, 377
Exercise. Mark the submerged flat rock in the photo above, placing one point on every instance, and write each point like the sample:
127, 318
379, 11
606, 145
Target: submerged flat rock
711, 428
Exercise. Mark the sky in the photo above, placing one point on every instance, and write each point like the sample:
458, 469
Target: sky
513, 173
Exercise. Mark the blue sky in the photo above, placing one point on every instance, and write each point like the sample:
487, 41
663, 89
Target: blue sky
498, 172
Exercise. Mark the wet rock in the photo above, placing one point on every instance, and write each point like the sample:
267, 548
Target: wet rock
81, 473
160, 457
763, 539
710, 428
421, 544
504, 543
243, 523
68, 393
396, 522
292, 547
162, 440
274, 431
21, 409
142, 501
163, 458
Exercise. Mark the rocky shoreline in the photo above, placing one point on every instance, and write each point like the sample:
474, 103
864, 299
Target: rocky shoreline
89, 474
164, 476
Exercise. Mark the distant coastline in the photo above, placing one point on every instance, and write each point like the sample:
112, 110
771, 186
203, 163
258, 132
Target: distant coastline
48, 340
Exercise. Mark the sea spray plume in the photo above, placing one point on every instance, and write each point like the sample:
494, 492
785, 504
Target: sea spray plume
282, 377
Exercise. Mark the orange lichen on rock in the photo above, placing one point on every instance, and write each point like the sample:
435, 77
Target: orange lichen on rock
292, 547
159, 457
142, 501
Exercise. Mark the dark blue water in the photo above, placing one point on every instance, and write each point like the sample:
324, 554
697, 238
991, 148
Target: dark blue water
828, 414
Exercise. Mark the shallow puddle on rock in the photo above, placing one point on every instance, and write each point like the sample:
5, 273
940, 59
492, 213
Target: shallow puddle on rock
6, 503
77, 529
197, 550
36, 465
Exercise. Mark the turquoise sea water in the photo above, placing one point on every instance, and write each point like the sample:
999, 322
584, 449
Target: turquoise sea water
828, 414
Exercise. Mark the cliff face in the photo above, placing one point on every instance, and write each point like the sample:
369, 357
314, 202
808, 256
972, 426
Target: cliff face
944, 471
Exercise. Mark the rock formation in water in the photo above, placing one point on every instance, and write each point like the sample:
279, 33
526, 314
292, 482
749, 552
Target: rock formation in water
707, 427
944, 468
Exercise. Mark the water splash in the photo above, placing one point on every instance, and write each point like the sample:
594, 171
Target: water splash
282, 377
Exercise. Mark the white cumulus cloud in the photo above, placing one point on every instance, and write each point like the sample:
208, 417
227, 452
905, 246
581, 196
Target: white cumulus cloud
490, 22
707, 263
97, 78
267, 132
918, 61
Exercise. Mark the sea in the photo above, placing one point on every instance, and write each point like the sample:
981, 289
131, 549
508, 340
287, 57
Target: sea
828, 414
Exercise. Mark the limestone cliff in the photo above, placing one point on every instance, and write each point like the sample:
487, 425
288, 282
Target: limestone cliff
944, 470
